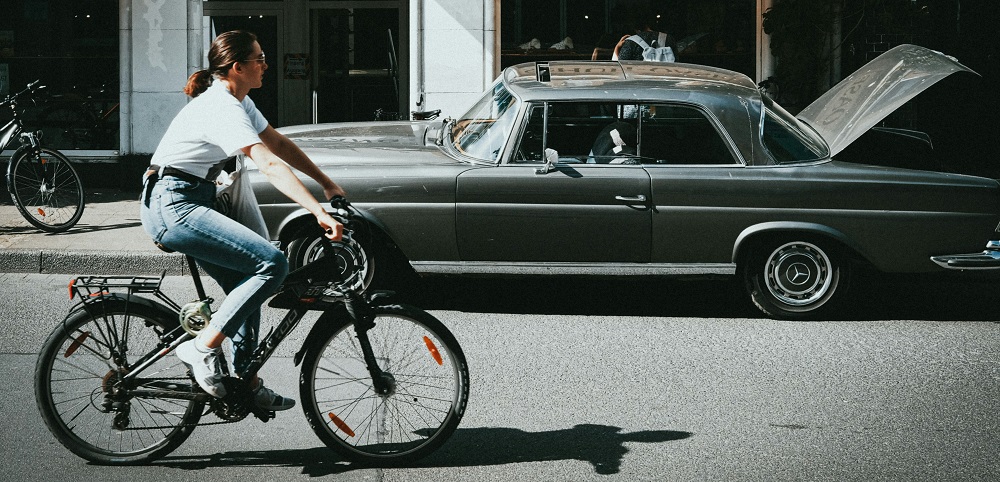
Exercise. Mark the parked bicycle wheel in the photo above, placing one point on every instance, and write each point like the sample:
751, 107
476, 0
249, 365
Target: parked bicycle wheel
428, 389
85, 404
47, 190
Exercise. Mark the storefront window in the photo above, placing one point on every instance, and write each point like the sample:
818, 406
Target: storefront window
720, 33
72, 48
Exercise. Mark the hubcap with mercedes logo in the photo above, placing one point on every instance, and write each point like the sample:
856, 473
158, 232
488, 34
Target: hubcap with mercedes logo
798, 274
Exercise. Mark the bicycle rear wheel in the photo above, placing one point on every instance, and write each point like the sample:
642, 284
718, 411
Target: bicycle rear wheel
429, 387
81, 397
47, 190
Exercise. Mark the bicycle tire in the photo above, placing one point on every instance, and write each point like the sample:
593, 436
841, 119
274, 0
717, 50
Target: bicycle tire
431, 387
72, 378
52, 205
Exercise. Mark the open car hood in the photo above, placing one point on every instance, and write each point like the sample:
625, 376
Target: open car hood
874, 91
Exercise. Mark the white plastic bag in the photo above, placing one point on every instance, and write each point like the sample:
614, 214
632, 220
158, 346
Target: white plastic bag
234, 197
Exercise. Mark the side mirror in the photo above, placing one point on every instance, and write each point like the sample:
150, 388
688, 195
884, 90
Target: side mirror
551, 158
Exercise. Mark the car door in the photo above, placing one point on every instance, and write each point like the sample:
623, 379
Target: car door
697, 182
572, 209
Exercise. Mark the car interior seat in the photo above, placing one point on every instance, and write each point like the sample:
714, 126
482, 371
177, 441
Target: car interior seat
615, 144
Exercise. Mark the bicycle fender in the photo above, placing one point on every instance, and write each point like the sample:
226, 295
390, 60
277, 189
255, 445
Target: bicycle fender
93, 305
320, 331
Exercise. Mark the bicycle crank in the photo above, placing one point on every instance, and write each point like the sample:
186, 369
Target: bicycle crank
238, 402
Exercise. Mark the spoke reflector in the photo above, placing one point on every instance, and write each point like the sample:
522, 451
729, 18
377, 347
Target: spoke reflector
434, 351
41, 212
340, 424
77, 343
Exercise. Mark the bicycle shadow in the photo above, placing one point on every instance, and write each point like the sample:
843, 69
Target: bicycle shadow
602, 446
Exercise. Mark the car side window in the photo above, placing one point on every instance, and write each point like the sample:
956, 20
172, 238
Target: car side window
575, 130
680, 134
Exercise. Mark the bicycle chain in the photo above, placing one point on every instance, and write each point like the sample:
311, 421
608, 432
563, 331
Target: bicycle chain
209, 408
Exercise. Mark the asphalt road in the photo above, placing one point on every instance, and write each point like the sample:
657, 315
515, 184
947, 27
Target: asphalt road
600, 380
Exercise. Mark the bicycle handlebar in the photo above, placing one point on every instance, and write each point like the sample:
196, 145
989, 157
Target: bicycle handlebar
344, 213
31, 89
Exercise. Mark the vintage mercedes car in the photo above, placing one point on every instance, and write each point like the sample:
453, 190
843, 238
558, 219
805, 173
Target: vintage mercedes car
643, 168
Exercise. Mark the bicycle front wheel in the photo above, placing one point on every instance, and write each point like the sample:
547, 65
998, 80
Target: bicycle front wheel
84, 400
47, 190
427, 376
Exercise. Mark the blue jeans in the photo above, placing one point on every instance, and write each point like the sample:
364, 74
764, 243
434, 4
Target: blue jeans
179, 215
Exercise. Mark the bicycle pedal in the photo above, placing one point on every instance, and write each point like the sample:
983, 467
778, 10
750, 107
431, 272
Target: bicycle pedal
264, 416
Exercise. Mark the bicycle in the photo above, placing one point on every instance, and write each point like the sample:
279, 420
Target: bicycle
85, 118
42, 182
380, 383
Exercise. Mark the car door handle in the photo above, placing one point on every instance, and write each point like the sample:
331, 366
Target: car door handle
639, 198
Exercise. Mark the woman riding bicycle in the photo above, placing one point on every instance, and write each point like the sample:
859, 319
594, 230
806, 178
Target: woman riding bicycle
177, 209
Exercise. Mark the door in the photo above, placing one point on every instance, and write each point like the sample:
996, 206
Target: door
575, 213
585, 208
356, 74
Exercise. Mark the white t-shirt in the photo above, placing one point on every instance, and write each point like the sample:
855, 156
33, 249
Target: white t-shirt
211, 128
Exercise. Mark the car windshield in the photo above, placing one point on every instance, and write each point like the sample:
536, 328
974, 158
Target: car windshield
483, 130
786, 138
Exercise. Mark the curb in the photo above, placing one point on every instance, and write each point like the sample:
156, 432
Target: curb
43, 261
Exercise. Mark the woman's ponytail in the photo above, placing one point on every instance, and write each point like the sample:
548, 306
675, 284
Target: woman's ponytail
227, 49
197, 83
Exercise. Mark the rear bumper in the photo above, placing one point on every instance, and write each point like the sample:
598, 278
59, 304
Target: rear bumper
989, 258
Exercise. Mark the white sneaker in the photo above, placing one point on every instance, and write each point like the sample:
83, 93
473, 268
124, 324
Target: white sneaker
205, 366
531, 44
268, 400
566, 43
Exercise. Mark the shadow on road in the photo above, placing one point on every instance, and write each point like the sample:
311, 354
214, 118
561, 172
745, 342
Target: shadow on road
601, 446
870, 297
77, 229
583, 296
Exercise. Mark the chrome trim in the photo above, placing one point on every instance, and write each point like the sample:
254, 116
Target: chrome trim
572, 268
988, 259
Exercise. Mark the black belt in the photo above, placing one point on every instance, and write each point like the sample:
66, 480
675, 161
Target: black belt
153, 175
172, 171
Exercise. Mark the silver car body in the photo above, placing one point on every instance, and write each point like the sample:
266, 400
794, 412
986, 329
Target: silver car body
450, 211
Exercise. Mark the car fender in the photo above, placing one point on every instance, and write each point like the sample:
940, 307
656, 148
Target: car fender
772, 227
299, 219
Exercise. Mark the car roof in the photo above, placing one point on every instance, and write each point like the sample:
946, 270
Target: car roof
566, 80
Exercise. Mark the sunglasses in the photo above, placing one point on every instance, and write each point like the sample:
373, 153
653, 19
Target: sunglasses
260, 59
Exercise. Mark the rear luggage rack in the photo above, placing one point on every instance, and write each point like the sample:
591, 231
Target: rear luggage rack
87, 288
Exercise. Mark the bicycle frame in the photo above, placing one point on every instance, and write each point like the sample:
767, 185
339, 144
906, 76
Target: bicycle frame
356, 308
9, 131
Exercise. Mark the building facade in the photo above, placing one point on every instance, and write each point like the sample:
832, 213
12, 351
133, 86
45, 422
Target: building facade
115, 68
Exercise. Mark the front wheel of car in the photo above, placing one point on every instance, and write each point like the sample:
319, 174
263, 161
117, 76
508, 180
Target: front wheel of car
356, 261
795, 279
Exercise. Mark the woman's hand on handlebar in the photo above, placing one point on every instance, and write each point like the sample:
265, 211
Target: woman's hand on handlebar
332, 229
333, 191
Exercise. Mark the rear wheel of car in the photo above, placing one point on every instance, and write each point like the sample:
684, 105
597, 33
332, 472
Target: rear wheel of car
799, 279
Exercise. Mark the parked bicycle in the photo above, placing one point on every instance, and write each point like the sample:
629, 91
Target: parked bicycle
42, 182
85, 118
381, 383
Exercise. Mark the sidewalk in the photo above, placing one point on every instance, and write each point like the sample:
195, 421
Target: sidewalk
108, 240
